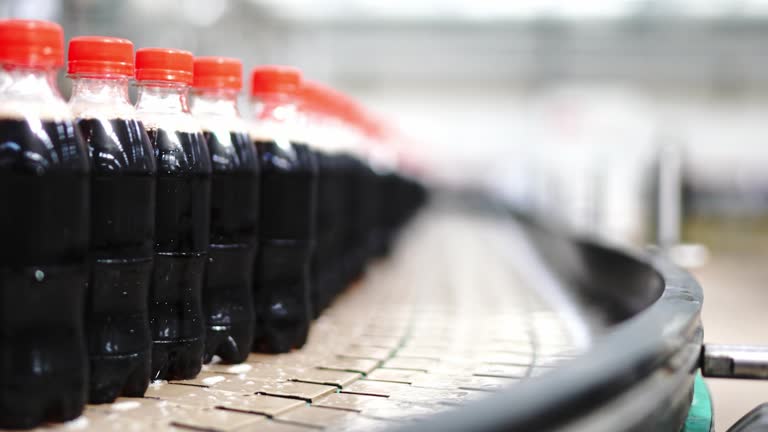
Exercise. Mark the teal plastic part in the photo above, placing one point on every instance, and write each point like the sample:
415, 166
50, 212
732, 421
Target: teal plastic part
700, 415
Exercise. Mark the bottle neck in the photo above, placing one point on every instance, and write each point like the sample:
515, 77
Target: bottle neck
275, 107
109, 95
28, 84
219, 102
277, 116
31, 93
162, 97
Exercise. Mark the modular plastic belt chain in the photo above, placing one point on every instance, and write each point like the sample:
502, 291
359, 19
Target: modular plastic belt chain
447, 319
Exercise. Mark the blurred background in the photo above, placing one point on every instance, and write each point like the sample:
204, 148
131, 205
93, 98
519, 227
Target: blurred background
638, 121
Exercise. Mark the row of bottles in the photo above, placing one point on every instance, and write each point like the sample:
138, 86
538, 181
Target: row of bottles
139, 241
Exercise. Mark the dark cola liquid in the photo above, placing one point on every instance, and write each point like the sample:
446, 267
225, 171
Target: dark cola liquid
182, 221
368, 212
356, 234
228, 292
44, 193
122, 231
388, 214
413, 196
327, 261
287, 225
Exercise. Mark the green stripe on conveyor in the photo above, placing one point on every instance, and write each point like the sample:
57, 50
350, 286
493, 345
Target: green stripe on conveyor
700, 415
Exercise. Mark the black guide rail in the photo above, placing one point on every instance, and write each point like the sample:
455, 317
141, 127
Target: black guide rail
637, 376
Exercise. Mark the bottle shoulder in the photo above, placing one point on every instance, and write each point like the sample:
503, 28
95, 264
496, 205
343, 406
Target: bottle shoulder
118, 146
52, 110
180, 152
86, 110
285, 156
39, 146
176, 121
214, 121
231, 151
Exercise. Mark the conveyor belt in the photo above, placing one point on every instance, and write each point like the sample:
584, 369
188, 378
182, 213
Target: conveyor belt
462, 309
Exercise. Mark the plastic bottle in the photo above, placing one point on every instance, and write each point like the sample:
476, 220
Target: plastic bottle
326, 268
288, 205
122, 217
228, 291
359, 200
182, 218
44, 223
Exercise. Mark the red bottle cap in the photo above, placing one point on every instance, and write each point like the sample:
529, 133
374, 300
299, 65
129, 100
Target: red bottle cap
218, 73
31, 43
275, 79
164, 64
318, 98
100, 56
